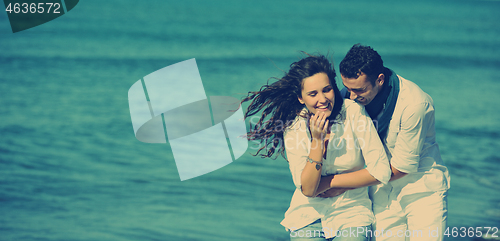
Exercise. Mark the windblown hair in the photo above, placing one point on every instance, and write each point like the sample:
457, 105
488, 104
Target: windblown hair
280, 105
362, 59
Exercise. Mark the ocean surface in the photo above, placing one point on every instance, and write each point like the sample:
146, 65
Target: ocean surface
72, 169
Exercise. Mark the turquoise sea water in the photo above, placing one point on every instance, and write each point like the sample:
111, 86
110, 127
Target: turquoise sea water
71, 168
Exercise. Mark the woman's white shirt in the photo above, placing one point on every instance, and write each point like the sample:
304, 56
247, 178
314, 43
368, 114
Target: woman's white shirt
353, 143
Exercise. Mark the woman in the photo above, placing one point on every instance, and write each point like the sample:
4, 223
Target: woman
328, 142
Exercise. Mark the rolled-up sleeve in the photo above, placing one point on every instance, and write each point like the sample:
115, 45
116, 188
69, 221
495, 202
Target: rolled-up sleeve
297, 150
411, 137
372, 149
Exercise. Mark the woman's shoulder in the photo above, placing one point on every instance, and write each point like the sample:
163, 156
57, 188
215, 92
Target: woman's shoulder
352, 107
299, 123
348, 103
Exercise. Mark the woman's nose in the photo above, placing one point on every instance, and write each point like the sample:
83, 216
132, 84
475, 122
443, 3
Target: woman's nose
322, 98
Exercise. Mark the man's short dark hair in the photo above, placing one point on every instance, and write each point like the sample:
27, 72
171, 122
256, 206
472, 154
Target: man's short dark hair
362, 59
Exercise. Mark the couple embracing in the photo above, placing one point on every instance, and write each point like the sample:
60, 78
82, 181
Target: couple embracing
377, 134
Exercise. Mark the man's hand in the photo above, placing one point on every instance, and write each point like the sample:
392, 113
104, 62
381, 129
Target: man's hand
333, 192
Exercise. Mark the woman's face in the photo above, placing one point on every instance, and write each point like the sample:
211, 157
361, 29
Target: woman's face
317, 94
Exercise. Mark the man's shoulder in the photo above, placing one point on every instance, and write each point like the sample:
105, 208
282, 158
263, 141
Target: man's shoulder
411, 94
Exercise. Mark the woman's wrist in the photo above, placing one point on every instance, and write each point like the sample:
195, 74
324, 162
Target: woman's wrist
319, 164
313, 161
317, 144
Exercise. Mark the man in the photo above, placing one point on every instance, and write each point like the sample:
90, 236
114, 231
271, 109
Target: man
413, 205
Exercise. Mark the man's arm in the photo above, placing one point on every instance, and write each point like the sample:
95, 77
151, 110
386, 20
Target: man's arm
347, 181
409, 142
377, 168
396, 174
325, 190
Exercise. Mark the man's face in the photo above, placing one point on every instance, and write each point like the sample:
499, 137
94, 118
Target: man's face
361, 89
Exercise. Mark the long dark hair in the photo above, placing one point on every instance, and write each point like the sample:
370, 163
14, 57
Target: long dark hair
280, 106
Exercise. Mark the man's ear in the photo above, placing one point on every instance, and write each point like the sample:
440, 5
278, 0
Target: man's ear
300, 100
381, 79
